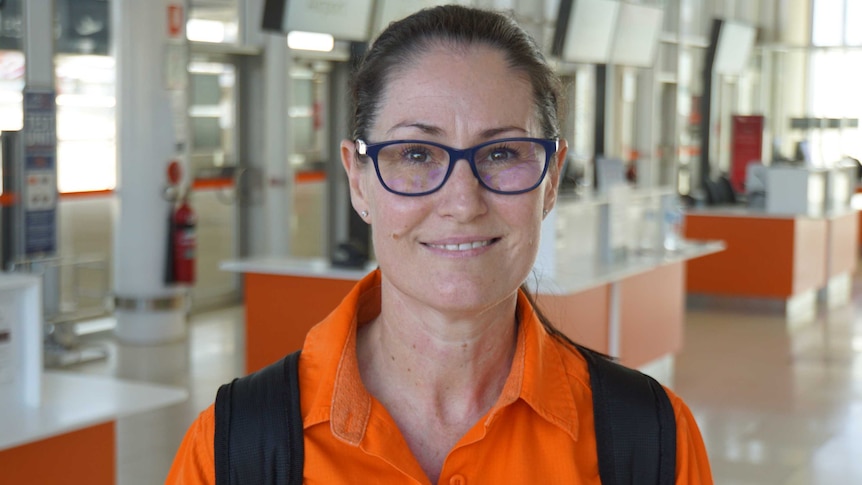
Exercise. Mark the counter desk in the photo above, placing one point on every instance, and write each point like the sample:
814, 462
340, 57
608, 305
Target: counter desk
632, 309
791, 259
69, 437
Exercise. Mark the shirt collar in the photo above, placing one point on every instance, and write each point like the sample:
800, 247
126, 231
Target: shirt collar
538, 376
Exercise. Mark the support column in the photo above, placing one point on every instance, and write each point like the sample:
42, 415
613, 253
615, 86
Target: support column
152, 56
278, 173
34, 249
645, 139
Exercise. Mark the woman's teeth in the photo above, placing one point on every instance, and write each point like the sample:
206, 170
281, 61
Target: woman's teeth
461, 247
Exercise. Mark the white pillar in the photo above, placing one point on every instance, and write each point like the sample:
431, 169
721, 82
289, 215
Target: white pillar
278, 174
39, 48
151, 64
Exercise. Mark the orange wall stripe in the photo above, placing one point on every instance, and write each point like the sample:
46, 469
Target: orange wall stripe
7, 199
310, 176
212, 183
89, 193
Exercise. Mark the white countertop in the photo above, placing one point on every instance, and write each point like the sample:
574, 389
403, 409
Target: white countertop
743, 211
572, 276
310, 267
71, 402
579, 274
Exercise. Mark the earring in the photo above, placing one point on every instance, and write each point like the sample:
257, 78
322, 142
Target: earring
544, 212
363, 214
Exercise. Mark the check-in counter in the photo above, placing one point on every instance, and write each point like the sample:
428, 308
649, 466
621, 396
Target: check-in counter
631, 308
781, 257
57, 427
70, 437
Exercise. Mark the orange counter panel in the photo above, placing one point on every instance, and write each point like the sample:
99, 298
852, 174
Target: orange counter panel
583, 317
843, 250
764, 257
859, 224
281, 309
652, 314
83, 457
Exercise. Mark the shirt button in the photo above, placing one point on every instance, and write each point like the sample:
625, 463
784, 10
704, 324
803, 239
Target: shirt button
457, 480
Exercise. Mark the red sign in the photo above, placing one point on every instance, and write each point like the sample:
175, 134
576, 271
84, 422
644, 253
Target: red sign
175, 21
746, 147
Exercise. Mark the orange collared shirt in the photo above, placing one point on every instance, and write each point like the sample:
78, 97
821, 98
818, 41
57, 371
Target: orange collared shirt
540, 430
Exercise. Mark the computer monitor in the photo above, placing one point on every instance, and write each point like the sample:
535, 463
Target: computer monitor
584, 31
343, 19
734, 46
388, 11
635, 39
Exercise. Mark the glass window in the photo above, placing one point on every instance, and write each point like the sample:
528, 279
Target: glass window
828, 23
11, 86
213, 21
853, 22
212, 114
86, 128
86, 134
835, 94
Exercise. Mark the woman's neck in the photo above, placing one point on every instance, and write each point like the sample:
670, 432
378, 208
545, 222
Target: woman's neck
451, 366
436, 375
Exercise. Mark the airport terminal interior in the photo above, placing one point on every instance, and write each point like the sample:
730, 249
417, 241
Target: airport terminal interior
172, 187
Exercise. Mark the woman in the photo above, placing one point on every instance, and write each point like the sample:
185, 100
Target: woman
436, 368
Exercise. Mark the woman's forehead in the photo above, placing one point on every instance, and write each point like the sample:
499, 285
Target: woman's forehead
445, 86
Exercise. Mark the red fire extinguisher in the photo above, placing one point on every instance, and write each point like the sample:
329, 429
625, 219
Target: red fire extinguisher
184, 243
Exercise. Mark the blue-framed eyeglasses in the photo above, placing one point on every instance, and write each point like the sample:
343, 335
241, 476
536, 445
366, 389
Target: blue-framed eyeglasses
418, 167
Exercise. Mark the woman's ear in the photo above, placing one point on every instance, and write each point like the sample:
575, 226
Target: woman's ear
554, 171
353, 168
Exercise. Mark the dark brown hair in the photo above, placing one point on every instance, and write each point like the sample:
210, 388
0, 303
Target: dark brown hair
453, 26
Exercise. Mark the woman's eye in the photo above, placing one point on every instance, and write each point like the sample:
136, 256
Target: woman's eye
416, 155
502, 154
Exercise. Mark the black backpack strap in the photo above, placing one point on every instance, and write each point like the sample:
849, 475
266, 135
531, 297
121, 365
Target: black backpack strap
258, 427
635, 425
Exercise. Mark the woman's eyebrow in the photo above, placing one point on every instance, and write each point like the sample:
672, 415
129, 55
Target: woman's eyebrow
433, 130
424, 128
493, 132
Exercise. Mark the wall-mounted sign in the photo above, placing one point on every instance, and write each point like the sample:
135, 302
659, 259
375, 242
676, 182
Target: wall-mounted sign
40, 172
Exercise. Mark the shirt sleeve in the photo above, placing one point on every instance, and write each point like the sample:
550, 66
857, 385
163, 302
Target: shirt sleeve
194, 462
692, 463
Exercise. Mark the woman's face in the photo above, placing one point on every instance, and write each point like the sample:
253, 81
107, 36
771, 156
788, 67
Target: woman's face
463, 248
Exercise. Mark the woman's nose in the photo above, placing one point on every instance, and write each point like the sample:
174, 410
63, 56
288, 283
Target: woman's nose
462, 195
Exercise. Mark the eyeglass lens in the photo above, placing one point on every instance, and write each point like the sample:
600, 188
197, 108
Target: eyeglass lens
508, 166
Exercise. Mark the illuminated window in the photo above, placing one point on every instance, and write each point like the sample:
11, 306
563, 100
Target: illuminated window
834, 79
853, 22
828, 25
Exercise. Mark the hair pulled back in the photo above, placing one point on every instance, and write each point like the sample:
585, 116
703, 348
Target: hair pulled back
397, 47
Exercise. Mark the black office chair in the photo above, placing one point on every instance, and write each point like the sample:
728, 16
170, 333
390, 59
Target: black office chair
713, 194
726, 192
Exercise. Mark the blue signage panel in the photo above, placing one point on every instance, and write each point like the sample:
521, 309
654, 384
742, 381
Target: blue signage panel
41, 232
39, 189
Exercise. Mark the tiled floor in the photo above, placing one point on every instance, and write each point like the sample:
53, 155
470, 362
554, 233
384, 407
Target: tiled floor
776, 406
